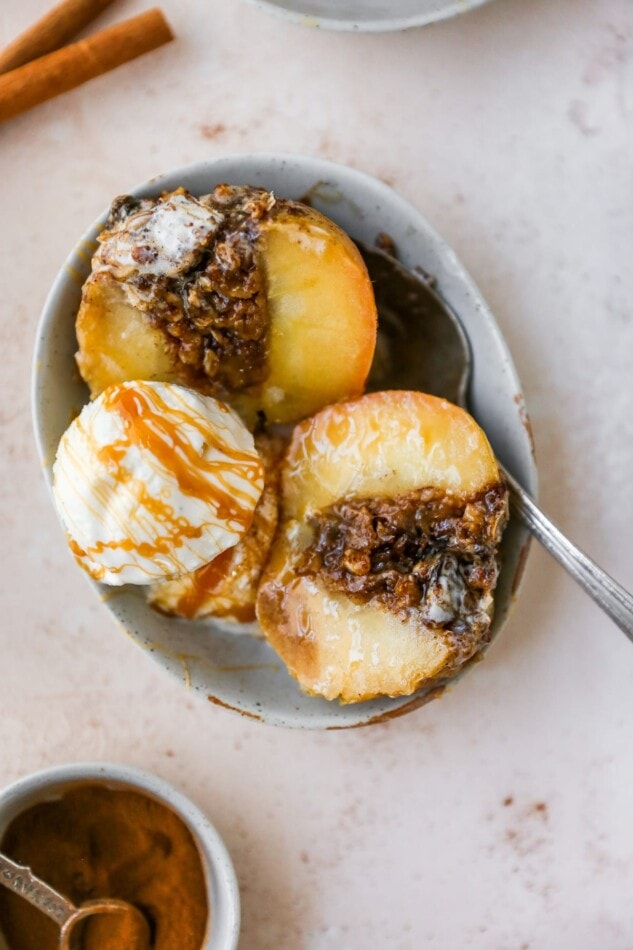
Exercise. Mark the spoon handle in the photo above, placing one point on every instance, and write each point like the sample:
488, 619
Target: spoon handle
607, 593
22, 881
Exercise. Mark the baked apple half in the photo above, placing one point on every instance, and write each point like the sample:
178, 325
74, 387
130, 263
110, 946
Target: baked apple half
226, 587
381, 576
259, 301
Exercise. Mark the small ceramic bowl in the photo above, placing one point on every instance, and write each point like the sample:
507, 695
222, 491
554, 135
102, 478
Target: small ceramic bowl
222, 890
376, 16
241, 672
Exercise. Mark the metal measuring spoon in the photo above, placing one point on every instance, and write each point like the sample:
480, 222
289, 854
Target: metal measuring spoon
71, 919
422, 345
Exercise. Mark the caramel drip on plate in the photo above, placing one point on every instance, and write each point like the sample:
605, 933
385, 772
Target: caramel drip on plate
204, 583
241, 613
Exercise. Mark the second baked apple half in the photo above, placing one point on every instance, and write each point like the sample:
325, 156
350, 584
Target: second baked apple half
259, 301
382, 573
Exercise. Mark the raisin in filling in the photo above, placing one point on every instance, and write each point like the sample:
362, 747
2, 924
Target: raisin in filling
423, 550
213, 313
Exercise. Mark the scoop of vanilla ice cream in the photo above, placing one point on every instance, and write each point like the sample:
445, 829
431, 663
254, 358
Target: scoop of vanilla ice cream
152, 480
162, 238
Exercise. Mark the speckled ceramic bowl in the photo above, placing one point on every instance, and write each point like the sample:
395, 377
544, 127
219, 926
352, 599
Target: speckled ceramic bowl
222, 890
240, 672
377, 16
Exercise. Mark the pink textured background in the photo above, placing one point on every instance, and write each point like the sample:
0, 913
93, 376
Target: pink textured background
500, 817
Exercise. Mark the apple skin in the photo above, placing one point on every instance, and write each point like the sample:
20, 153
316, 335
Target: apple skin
322, 314
379, 446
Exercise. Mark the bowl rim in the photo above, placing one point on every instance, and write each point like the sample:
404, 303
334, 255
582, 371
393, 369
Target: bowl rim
319, 169
218, 867
450, 9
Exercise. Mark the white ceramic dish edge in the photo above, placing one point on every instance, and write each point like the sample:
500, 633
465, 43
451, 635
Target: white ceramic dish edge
255, 687
385, 25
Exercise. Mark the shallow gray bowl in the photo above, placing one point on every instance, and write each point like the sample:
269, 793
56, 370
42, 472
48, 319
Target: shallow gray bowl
222, 890
241, 672
375, 16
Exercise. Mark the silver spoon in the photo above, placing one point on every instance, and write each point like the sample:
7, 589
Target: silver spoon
23, 882
422, 345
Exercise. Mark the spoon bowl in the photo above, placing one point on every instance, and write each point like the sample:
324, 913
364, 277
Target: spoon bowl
421, 344
127, 927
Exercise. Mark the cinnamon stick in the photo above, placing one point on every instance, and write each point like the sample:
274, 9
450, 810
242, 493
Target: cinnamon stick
66, 68
54, 29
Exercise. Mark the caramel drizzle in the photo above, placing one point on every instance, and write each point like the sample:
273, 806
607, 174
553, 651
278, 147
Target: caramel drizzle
154, 425
206, 582
203, 583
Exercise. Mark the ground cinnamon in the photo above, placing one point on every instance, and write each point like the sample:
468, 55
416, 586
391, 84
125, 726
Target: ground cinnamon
66, 68
100, 842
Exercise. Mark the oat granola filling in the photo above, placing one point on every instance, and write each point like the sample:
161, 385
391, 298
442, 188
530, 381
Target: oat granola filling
425, 550
207, 294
